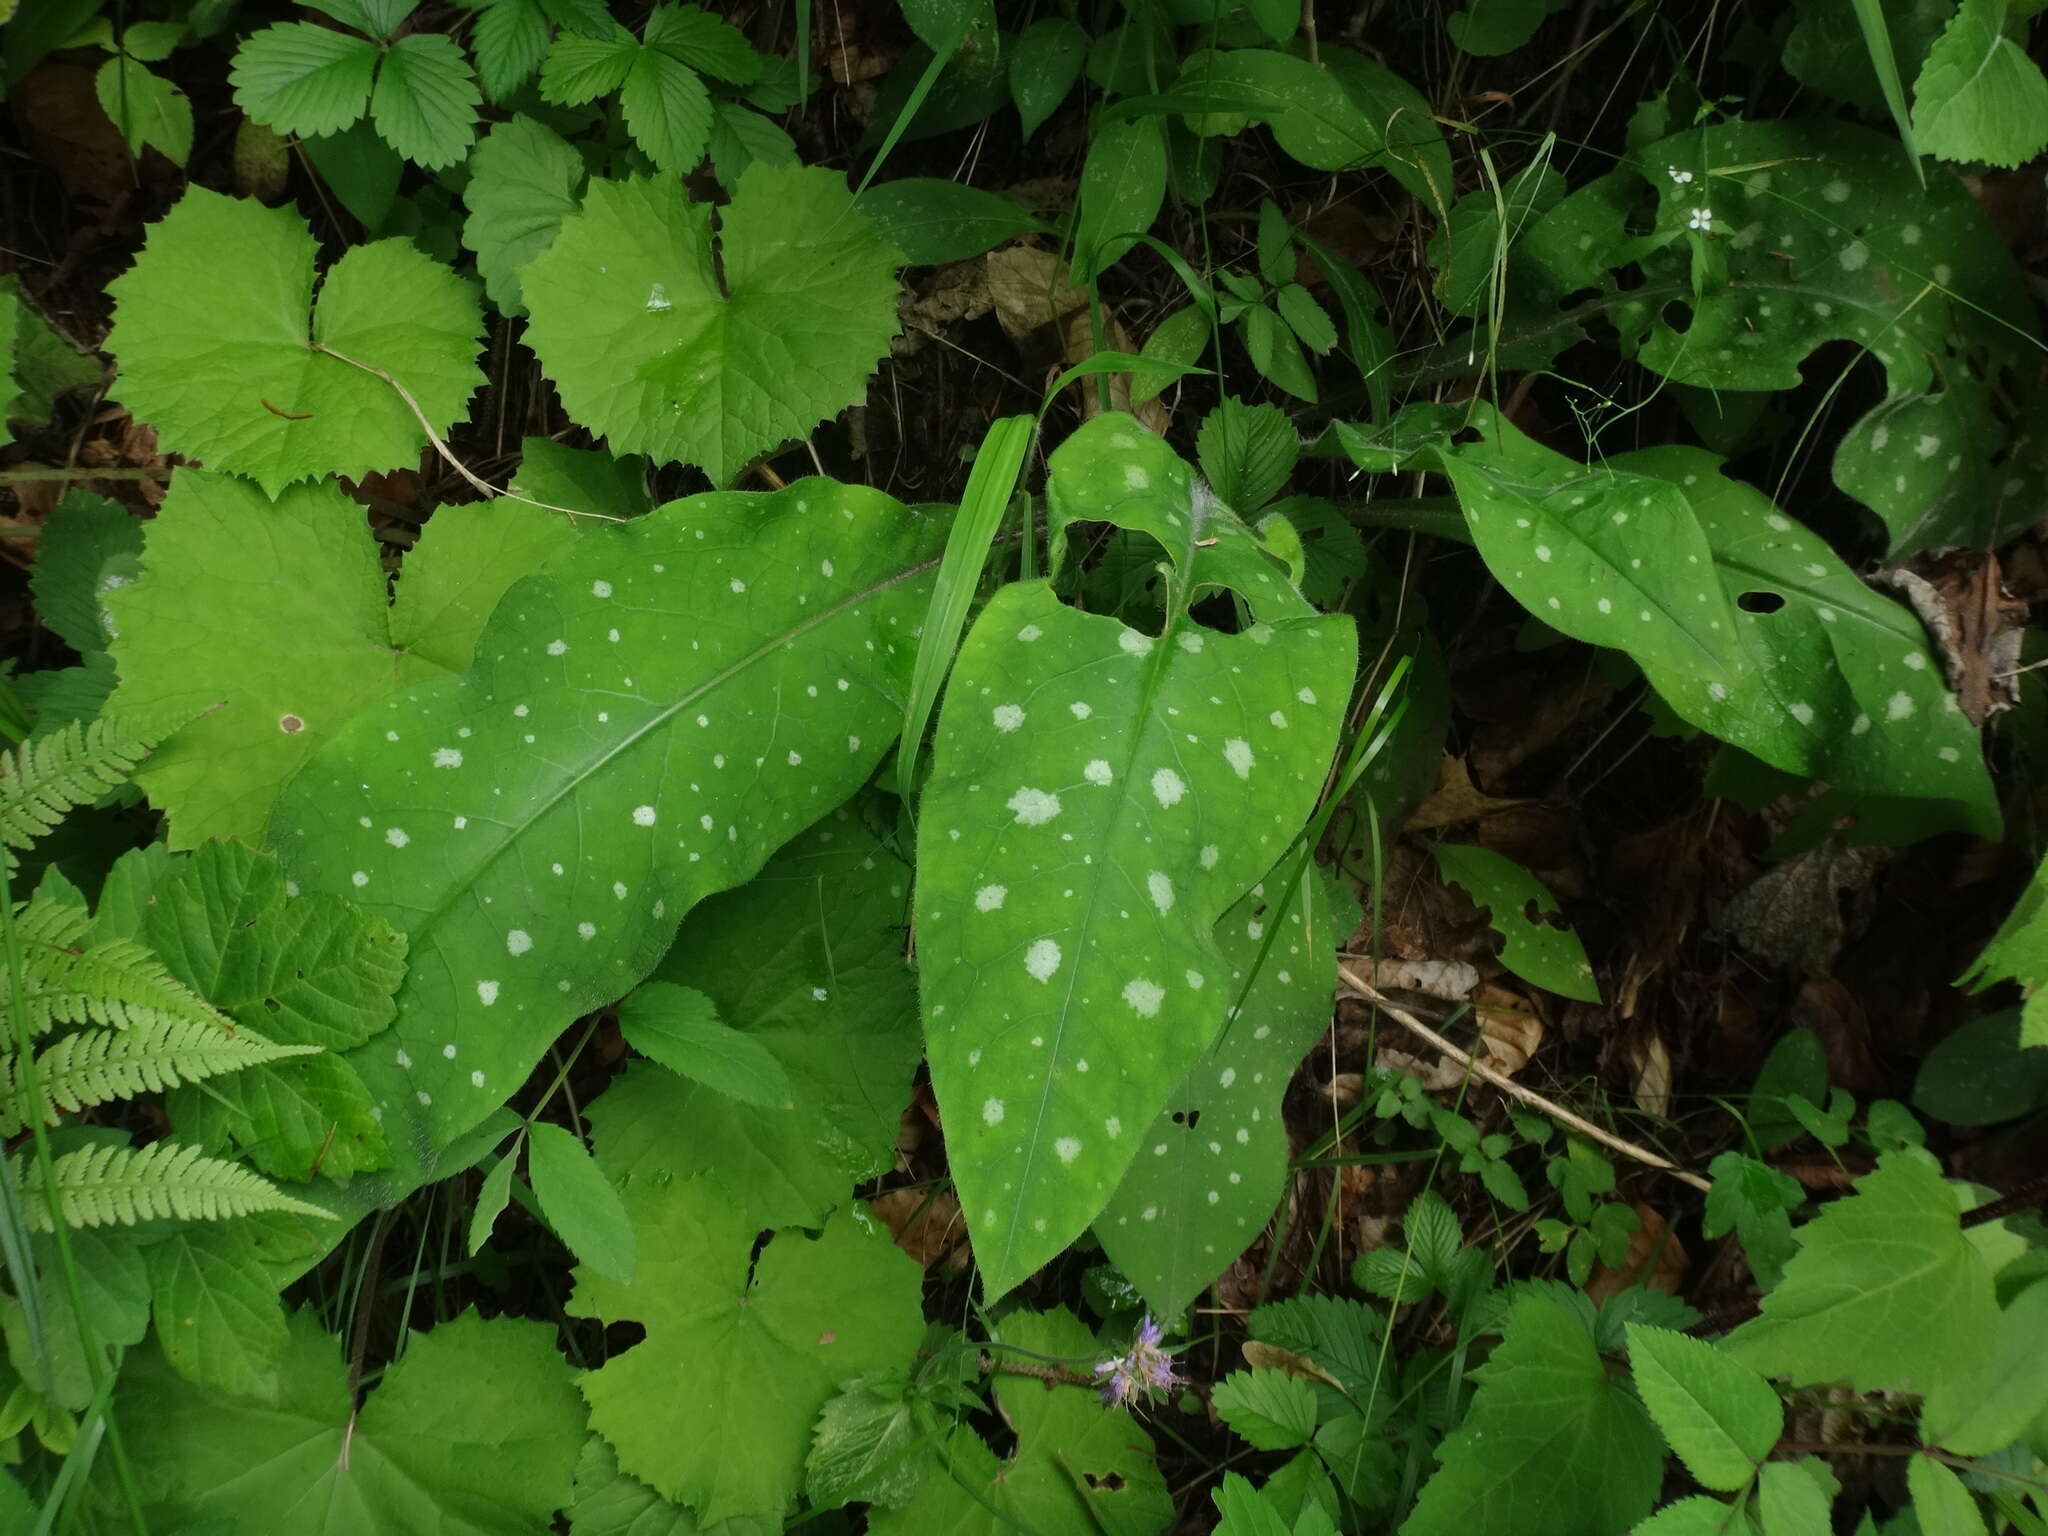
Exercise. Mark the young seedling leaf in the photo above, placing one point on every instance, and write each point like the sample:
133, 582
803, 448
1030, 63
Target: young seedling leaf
1247, 452
1098, 800
665, 353
770, 1337
647, 720
807, 958
219, 357
580, 1203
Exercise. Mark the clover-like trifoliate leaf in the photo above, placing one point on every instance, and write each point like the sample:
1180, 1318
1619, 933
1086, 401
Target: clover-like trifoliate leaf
298, 77
474, 1432
1111, 470
1979, 97
1213, 1164
646, 721
666, 351
1077, 1466
763, 1340
310, 971
1553, 1444
268, 625
1931, 1321
807, 959
1099, 798
222, 358
1818, 238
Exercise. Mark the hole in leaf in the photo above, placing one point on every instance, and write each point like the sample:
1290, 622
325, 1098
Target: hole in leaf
1187, 1117
1109, 1482
1536, 917
271, 1003
1760, 602
1676, 316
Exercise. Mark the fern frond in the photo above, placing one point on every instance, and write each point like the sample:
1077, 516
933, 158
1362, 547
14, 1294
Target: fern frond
42, 780
119, 1186
116, 983
102, 1064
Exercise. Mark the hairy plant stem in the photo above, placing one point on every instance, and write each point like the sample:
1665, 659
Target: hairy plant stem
46, 1166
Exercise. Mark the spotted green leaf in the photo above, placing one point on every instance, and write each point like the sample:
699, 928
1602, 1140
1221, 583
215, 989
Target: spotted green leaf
309, 639
767, 1337
646, 721
222, 358
1077, 1465
1213, 1163
807, 960
1525, 915
1114, 471
1099, 798
1818, 238
670, 351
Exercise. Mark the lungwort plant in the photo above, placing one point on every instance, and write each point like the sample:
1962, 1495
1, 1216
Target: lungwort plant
659, 895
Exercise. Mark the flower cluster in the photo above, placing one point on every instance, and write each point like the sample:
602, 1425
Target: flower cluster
1143, 1369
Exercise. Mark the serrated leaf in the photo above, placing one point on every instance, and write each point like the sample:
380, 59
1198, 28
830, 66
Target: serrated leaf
868, 1447
807, 958
523, 181
1180, 1215
779, 1331
1269, 1410
1472, 247
218, 1320
511, 39
1044, 61
580, 1203
216, 354
1309, 321
1986, 1410
609, 1503
1789, 1502
424, 104
477, 1417
704, 42
742, 138
1247, 451
1696, 1516
538, 825
648, 348
379, 18
1175, 799
1552, 1446
933, 221
587, 479
79, 537
679, 1027
1077, 1466
1932, 1316
582, 67
1520, 908
2019, 952
1979, 97
300, 78
1339, 1334
1942, 1504
491, 1199
309, 641
667, 111
1718, 1415
146, 108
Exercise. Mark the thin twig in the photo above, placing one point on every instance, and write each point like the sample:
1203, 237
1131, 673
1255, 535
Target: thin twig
35, 476
1508, 1085
476, 481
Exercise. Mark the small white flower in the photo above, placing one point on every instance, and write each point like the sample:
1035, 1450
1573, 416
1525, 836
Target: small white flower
1678, 176
1702, 218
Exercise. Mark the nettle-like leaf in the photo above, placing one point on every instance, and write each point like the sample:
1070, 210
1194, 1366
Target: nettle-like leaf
1817, 238
1932, 1320
308, 972
1099, 798
308, 641
524, 180
1077, 1466
767, 1337
1720, 1416
1979, 97
474, 1432
220, 356
1212, 1165
1552, 1445
646, 721
1786, 654
669, 352
806, 960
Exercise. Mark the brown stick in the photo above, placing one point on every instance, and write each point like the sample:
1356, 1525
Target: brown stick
1508, 1085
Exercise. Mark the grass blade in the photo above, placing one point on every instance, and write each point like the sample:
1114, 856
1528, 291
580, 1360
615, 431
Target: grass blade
1877, 39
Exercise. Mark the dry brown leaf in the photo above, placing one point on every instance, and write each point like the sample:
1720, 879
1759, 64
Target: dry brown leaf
1509, 1031
1652, 1064
1976, 625
1031, 290
1449, 981
1271, 1357
1455, 800
927, 1226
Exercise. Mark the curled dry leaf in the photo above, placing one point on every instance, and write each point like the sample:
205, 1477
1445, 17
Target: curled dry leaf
1509, 1032
1652, 1063
1455, 800
1271, 1357
1450, 981
927, 1226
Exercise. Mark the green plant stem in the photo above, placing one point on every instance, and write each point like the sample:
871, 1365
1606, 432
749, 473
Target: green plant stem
46, 1166
1438, 516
